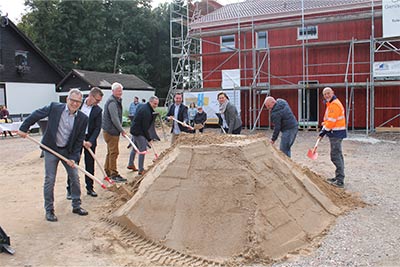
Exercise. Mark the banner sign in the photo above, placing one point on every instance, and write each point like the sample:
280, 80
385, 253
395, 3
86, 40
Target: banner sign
209, 102
390, 18
387, 69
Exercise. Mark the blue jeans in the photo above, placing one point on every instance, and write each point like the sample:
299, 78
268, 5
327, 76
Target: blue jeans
337, 157
287, 140
50, 165
141, 143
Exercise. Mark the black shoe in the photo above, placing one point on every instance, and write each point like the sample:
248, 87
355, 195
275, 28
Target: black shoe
91, 193
50, 216
69, 197
331, 180
80, 211
337, 184
118, 179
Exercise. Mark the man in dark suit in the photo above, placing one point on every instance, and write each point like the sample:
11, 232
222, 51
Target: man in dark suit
180, 112
91, 109
65, 134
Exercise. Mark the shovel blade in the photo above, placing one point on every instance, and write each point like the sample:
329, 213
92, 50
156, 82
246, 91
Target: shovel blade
312, 155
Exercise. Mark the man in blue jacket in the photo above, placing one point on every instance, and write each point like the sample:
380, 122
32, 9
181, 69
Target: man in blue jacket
65, 134
284, 121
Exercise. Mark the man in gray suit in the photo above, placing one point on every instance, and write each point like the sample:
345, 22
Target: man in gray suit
64, 134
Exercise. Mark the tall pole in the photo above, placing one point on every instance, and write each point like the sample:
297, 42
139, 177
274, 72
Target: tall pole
303, 91
372, 60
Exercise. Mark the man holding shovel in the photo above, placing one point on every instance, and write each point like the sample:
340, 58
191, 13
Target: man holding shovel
178, 111
284, 121
91, 109
334, 126
64, 134
140, 132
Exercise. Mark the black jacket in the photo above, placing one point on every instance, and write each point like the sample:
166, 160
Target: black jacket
282, 117
143, 119
53, 112
182, 116
200, 118
94, 125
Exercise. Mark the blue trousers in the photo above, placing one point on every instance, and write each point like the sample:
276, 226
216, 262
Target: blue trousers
141, 143
287, 140
337, 157
50, 165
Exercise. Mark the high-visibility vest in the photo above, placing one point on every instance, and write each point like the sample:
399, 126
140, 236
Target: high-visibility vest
334, 118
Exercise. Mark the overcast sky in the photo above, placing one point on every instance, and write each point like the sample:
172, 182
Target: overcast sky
16, 8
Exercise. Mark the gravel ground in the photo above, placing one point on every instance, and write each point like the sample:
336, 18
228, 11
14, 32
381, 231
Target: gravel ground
368, 236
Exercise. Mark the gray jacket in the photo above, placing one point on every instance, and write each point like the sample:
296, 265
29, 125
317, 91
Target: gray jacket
112, 116
232, 118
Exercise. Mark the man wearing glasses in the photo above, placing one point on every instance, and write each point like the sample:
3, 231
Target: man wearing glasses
65, 134
91, 109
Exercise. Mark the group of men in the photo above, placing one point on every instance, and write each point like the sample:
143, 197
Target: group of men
76, 124
72, 127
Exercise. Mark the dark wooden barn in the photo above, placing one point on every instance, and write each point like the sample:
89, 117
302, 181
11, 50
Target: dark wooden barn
27, 77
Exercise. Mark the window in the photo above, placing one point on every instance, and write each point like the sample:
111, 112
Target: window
227, 43
308, 32
261, 40
21, 58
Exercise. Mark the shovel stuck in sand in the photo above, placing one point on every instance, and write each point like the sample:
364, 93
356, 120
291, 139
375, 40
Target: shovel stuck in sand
120, 190
312, 153
67, 160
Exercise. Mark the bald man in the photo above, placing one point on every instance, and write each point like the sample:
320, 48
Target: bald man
334, 126
284, 121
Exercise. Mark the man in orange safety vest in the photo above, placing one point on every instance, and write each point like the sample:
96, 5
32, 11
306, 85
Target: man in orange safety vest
334, 126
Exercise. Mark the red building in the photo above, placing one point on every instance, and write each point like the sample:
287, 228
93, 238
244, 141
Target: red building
292, 49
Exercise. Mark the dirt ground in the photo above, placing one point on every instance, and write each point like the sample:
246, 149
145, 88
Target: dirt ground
89, 241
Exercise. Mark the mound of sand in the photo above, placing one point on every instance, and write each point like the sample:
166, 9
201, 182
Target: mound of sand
222, 197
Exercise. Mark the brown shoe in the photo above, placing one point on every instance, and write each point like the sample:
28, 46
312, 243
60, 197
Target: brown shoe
141, 172
133, 168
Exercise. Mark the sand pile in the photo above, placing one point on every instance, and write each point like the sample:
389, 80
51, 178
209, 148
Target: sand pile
229, 197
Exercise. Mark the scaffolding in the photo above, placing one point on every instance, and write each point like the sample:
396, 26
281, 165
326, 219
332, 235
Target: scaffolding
187, 72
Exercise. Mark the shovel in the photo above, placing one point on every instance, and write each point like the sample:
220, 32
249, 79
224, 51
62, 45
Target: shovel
183, 124
67, 160
154, 150
312, 153
134, 146
106, 178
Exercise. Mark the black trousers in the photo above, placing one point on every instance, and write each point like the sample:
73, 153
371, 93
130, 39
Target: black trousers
89, 166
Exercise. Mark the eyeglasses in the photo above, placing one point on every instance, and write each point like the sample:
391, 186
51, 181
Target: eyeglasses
76, 101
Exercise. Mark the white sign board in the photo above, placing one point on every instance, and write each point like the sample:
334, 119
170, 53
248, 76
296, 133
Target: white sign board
390, 18
386, 69
209, 102
230, 79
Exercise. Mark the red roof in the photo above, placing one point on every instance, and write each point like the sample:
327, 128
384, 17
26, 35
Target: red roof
253, 10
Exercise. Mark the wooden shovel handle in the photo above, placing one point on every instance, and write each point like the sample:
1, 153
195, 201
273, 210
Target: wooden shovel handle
67, 160
182, 123
134, 146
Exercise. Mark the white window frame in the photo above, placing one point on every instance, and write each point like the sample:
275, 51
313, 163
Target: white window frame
258, 40
308, 35
228, 46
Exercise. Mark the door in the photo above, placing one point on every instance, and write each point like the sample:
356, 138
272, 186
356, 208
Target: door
308, 106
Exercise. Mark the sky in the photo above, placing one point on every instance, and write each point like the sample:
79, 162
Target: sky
16, 8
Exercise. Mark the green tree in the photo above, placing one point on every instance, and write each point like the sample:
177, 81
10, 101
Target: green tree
108, 35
